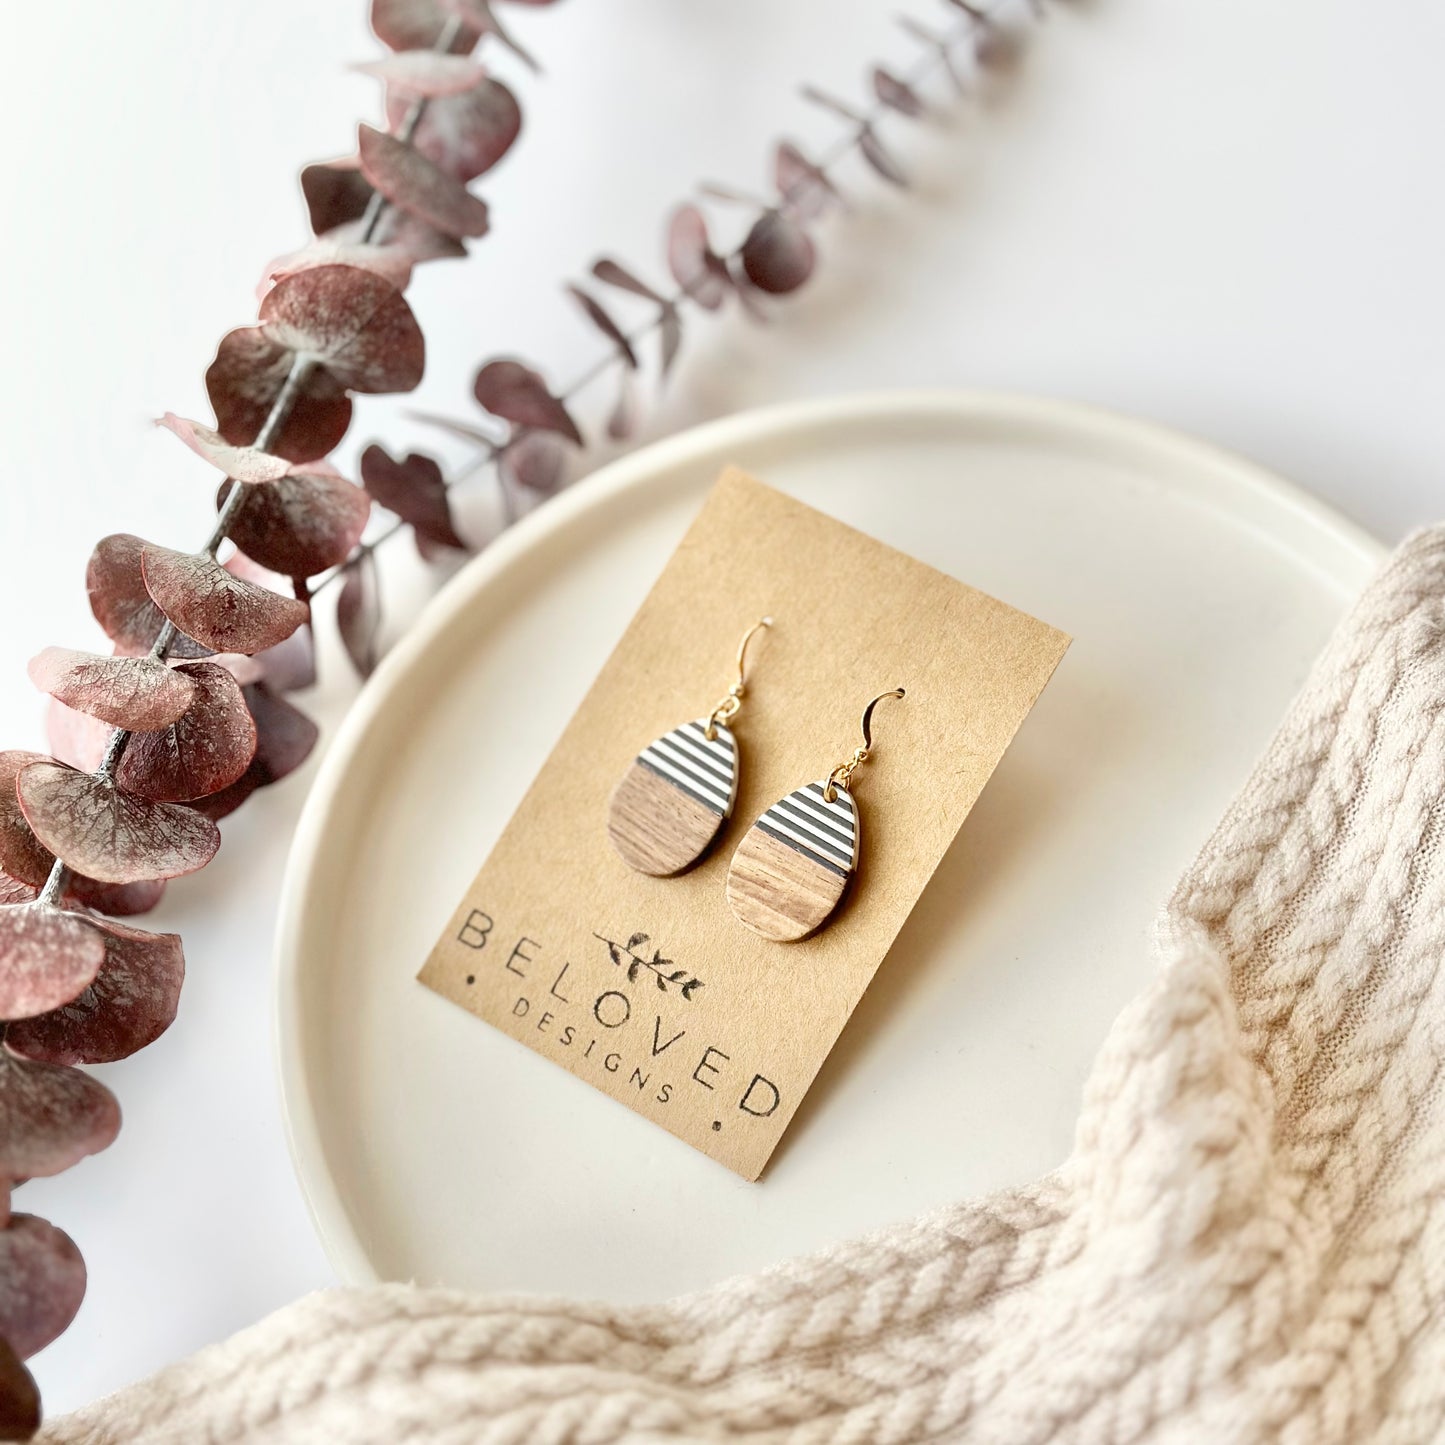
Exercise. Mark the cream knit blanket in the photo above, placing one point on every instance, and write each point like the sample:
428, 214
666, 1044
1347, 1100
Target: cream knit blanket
1247, 1244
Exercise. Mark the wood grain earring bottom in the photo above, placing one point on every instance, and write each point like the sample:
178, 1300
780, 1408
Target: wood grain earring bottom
795, 863
671, 803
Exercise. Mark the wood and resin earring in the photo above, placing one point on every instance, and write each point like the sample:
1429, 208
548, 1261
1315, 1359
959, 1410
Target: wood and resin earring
671, 804
794, 864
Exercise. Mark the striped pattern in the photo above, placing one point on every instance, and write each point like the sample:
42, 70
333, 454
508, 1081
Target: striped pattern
705, 769
826, 832
670, 805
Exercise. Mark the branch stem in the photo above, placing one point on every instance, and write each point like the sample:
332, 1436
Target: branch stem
376, 202
608, 361
284, 403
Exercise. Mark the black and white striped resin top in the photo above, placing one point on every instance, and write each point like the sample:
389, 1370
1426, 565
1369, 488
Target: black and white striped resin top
826, 832
705, 769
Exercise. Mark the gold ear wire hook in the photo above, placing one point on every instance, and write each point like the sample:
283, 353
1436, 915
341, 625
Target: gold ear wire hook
728, 708
842, 775
868, 714
748, 636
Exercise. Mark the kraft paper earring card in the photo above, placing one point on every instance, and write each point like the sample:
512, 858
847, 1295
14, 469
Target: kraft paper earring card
648, 987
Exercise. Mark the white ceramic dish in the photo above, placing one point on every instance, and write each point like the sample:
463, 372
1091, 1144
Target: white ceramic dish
1198, 589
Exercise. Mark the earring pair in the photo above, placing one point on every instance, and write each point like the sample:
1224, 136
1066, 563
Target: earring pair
794, 864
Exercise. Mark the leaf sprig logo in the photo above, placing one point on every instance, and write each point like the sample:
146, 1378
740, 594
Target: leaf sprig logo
630, 955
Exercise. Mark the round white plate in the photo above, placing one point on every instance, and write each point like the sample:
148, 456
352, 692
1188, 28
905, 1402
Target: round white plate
1198, 590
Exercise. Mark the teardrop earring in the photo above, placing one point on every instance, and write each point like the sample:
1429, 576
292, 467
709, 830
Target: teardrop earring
791, 869
670, 805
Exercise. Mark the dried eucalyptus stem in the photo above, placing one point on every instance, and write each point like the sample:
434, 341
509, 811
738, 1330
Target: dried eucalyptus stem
276, 418
186, 717
775, 257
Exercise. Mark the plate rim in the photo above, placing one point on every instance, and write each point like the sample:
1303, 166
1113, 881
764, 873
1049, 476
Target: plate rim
1233, 473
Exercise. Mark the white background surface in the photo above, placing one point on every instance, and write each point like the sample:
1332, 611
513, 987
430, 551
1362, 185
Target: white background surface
1222, 217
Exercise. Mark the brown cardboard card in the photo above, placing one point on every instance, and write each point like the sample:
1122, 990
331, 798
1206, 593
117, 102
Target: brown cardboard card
648, 988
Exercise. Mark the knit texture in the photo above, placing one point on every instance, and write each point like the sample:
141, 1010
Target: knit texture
1246, 1244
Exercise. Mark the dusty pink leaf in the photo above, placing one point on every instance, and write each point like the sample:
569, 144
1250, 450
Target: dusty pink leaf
105, 833
337, 196
695, 266
536, 460
515, 392
1001, 47
397, 230
409, 180
778, 255
127, 692
896, 93
464, 135
75, 738
803, 188
245, 670
42, 1282
604, 323
19, 1398
614, 273
250, 368
245, 464
358, 614
998, 47
120, 602
421, 241
416, 491
426, 73
223, 804
238, 564
669, 322
208, 748
669, 329
285, 738
47, 957
50, 1118
335, 193
13, 891
120, 900
290, 665
477, 13
302, 524
130, 1004
874, 152
625, 416
22, 855
416, 25
353, 322
480, 15
220, 610
748, 298
392, 263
